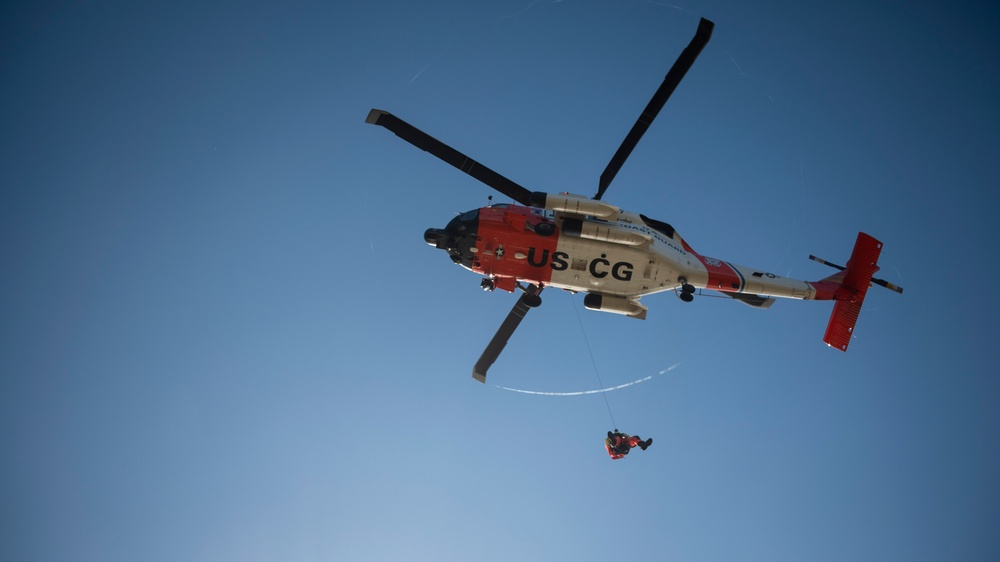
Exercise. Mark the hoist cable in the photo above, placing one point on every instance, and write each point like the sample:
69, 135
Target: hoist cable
594, 363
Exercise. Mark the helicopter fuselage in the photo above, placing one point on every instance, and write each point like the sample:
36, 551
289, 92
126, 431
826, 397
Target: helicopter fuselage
620, 259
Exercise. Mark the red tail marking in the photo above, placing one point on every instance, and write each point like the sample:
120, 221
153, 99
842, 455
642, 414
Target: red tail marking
850, 295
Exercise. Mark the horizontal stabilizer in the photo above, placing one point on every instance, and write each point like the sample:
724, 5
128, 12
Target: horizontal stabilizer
857, 277
841, 326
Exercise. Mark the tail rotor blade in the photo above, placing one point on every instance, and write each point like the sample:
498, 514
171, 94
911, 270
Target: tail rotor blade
887, 285
824, 262
670, 82
527, 301
425, 142
877, 281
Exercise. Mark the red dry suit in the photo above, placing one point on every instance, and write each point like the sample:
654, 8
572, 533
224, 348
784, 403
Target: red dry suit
618, 444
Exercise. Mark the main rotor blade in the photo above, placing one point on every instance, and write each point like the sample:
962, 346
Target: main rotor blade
507, 328
425, 142
670, 82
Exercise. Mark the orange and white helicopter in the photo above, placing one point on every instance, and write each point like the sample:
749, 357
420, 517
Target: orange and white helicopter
576, 243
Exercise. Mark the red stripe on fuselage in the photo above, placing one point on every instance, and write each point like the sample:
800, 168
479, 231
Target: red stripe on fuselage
511, 248
721, 275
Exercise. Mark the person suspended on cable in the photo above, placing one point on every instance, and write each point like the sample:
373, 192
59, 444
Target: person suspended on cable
619, 444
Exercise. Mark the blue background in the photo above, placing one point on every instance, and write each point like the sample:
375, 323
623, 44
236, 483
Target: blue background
222, 336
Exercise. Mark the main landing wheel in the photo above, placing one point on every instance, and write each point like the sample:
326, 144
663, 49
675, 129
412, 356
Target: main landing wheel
532, 301
687, 290
544, 229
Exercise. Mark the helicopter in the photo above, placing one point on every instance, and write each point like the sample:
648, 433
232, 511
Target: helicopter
614, 256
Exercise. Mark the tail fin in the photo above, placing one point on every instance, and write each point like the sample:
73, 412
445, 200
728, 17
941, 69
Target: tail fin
852, 286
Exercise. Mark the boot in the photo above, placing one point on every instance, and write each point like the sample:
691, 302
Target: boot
646, 443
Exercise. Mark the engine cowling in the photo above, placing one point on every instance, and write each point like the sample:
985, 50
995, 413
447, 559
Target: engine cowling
603, 232
574, 204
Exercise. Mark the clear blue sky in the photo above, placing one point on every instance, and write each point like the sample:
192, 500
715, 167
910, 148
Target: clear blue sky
222, 336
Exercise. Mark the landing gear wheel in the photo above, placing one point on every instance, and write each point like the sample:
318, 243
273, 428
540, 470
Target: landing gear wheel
544, 229
687, 290
532, 301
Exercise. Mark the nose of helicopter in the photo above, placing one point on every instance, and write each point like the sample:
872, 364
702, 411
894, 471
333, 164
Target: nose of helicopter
458, 238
